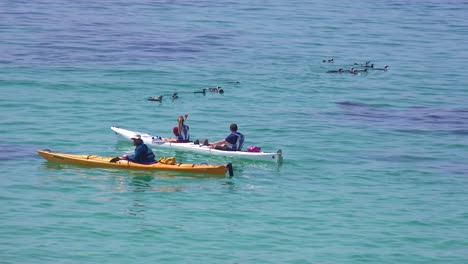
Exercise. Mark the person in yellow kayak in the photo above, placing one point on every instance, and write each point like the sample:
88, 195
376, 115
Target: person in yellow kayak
143, 154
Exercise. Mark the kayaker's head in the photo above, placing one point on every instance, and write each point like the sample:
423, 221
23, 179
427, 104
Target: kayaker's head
233, 127
180, 119
137, 140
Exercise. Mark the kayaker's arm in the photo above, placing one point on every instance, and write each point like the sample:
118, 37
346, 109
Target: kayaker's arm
218, 143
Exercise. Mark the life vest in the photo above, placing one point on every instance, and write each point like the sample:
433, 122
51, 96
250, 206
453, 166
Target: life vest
146, 155
184, 135
238, 145
149, 156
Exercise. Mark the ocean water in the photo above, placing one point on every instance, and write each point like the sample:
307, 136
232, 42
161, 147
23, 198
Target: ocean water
375, 164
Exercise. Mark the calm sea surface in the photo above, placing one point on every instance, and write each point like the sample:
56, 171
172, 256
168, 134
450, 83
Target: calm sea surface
376, 164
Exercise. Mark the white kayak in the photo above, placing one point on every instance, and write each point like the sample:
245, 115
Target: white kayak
156, 141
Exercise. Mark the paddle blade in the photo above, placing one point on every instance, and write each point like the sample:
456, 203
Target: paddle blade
114, 159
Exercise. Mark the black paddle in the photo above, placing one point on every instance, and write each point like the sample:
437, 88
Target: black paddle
114, 159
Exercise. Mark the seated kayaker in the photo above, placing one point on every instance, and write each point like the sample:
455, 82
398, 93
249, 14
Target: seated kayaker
233, 142
181, 131
143, 154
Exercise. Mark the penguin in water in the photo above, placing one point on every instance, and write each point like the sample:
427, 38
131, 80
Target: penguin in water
385, 68
203, 91
336, 71
364, 65
216, 89
329, 61
155, 98
358, 71
354, 71
174, 96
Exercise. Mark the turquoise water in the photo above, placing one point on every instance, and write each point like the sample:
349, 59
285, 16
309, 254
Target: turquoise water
375, 167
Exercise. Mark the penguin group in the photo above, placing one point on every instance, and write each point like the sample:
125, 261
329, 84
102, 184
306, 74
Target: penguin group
160, 97
174, 96
216, 89
362, 68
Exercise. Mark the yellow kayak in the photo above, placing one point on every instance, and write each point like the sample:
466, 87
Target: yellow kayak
98, 161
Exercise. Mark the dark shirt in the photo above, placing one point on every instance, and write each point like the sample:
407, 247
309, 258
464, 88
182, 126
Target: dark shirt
183, 135
143, 154
235, 141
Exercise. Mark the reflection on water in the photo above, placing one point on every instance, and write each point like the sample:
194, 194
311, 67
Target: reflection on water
140, 184
52, 166
136, 183
137, 207
231, 186
146, 174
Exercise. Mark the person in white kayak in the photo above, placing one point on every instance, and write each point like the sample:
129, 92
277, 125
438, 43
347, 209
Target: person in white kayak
181, 131
233, 142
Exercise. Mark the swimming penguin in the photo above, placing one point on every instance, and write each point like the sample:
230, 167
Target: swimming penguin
336, 71
357, 71
216, 89
381, 69
155, 98
174, 96
203, 91
330, 60
351, 70
364, 65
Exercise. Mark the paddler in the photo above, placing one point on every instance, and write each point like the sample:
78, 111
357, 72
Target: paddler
233, 142
181, 131
143, 154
